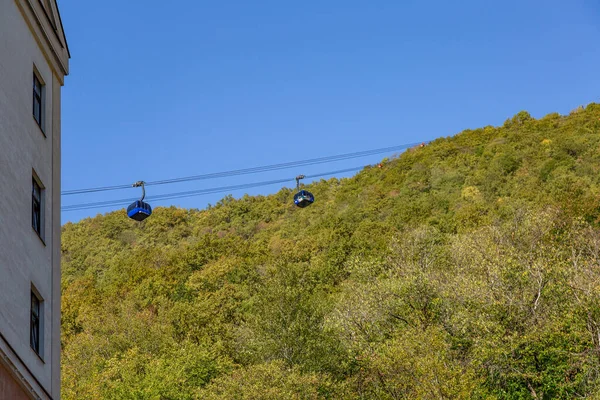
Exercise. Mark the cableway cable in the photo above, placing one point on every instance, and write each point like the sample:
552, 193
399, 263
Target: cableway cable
200, 192
252, 170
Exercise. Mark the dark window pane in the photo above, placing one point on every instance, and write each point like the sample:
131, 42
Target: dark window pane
37, 113
36, 219
37, 85
34, 336
37, 100
35, 305
36, 208
36, 191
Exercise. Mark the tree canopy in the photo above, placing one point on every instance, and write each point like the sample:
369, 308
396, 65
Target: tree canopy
468, 268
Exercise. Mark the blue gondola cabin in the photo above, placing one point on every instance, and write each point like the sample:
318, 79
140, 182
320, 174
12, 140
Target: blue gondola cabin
139, 210
304, 198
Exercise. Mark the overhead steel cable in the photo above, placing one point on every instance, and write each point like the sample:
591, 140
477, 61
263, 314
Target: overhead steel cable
174, 195
252, 170
200, 192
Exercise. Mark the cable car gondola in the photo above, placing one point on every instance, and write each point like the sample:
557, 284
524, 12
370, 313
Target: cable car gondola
303, 198
139, 210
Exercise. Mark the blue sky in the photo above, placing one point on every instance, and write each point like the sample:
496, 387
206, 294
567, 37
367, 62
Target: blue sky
160, 90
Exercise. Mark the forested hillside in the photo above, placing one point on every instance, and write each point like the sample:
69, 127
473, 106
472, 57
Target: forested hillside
468, 268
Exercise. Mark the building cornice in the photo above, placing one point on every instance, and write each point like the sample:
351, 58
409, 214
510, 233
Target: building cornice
52, 13
48, 33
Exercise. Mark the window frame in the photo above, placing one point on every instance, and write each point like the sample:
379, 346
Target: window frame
37, 206
38, 99
36, 322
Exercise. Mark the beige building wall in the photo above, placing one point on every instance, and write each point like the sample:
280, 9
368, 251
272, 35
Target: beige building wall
31, 39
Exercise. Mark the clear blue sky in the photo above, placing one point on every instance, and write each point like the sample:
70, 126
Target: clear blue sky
161, 89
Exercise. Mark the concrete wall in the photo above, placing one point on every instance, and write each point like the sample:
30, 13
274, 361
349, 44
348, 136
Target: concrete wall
25, 258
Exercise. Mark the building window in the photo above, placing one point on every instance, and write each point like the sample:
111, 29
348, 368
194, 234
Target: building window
34, 331
38, 89
36, 207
